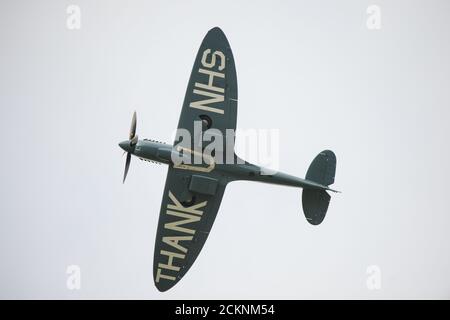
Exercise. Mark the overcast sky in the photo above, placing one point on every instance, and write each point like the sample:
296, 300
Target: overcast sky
379, 98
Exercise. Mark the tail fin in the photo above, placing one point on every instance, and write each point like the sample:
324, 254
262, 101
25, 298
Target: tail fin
315, 201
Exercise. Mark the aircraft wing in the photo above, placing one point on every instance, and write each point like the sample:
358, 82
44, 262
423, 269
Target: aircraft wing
193, 192
211, 95
188, 210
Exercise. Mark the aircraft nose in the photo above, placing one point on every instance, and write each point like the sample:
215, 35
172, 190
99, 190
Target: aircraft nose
125, 145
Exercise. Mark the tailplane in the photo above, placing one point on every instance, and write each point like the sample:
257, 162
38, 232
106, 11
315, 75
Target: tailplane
315, 201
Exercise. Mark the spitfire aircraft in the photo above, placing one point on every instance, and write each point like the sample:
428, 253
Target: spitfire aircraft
194, 188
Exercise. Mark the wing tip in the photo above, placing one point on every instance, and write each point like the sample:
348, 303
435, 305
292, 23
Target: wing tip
161, 287
216, 32
216, 29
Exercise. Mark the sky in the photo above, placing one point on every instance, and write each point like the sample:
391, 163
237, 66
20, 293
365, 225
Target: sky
372, 87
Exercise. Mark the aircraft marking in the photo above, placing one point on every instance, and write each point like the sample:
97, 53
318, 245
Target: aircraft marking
208, 159
188, 215
213, 94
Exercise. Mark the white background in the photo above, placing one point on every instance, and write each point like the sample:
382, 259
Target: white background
379, 98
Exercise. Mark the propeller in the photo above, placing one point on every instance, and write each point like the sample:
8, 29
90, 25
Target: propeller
127, 166
133, 126
128, 145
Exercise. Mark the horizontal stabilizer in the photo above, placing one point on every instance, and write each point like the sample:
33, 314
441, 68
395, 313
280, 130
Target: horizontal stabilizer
315, 205
323, 168
315, 201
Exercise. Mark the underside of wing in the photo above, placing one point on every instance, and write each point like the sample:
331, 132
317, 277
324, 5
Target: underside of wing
188, 210
211, 96
194, 190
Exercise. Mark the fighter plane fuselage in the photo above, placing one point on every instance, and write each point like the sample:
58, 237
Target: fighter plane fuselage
155, 151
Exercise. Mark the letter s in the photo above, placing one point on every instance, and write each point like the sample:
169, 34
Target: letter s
212, 63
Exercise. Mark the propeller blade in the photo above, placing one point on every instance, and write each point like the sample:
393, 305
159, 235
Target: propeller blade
127, 166
134, 140
133, 126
